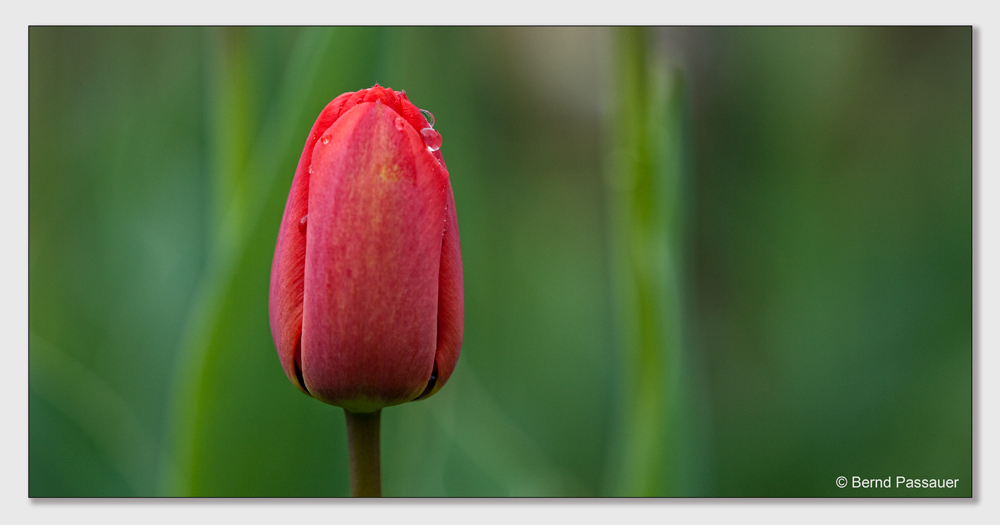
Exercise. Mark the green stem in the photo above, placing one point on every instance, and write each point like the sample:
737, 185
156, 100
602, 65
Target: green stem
364, 451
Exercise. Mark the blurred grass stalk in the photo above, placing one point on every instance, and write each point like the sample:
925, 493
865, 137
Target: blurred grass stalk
245, 161
645, 180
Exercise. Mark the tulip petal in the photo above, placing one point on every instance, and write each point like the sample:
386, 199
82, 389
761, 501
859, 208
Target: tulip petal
451, 300
377, 201
288, 266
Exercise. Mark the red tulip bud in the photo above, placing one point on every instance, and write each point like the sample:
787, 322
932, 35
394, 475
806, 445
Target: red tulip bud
366, 301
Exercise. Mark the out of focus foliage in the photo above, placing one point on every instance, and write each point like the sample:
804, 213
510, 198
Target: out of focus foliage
798, 254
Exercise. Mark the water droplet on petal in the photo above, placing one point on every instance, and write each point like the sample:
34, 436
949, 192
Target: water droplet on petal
310, 169
400, 123
431, 138
325, 139
302, 224
429, 116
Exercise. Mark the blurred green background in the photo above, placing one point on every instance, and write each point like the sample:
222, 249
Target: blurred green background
698, 261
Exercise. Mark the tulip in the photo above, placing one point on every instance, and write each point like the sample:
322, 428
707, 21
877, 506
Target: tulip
366, 300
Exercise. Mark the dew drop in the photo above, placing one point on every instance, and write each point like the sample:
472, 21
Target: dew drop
400, 123
431, 138
428, 116
310, 169
325, 139
302, 224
